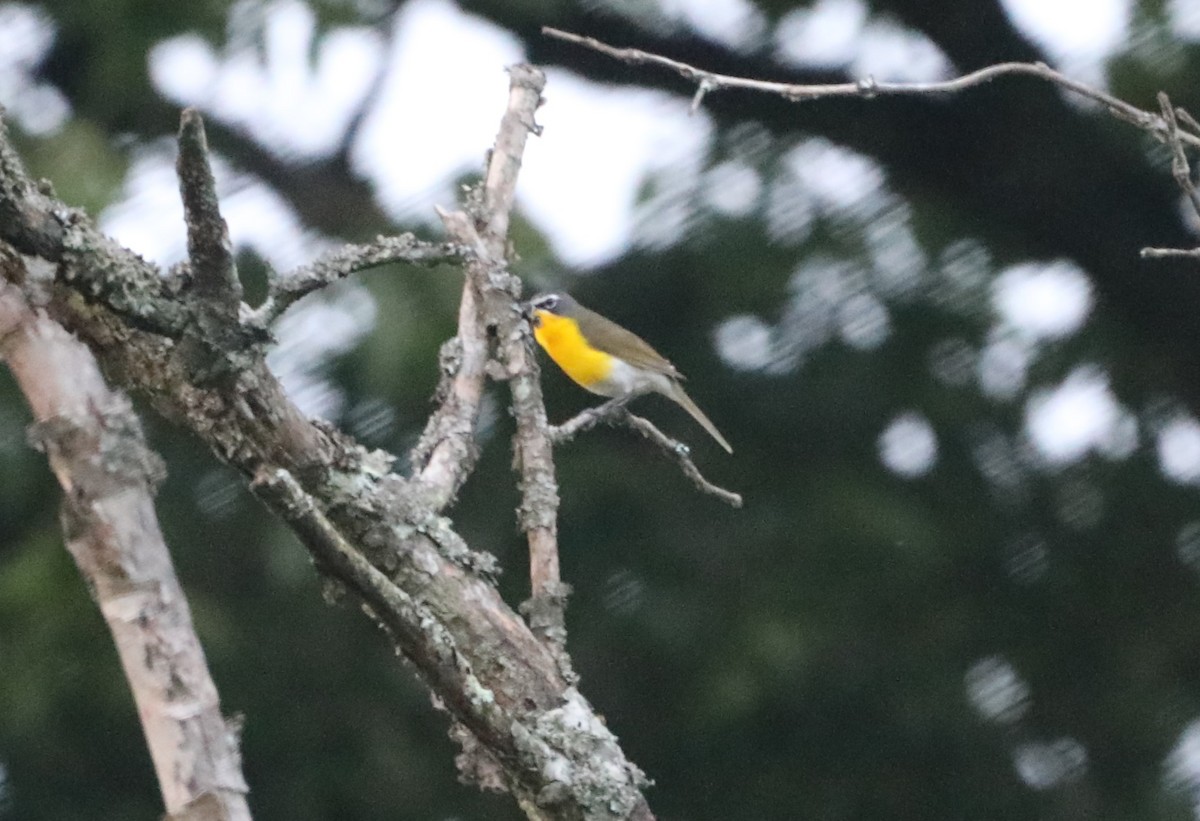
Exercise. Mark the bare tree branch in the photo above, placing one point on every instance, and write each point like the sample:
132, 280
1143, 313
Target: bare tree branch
1163, 126
1166, 253
500, 182
95, 447
615, 412
214, 275
492, 292
558, 758
447, 452
868, 88
533, 453
1180, 170
397, 611
348, 259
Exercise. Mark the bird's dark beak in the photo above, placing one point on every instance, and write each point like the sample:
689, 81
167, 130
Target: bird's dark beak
527, 312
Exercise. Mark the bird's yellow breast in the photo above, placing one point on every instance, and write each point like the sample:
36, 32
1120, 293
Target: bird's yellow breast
560, 337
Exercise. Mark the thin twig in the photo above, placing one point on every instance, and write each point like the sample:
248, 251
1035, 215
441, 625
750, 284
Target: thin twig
1163, 126
615, 412
1188, 120
97, 451
1180, 170
869, 87
348, 259
1179, 163
587, 419
1168, 253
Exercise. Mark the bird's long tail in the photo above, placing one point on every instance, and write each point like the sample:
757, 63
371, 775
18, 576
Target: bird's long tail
685, 401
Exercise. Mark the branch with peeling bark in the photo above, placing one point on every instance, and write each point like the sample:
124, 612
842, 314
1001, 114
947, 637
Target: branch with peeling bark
95, 447
176, 341
490, 304
447, 451
1164, 126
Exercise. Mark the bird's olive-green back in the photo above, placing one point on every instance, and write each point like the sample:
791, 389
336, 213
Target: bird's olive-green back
608, 336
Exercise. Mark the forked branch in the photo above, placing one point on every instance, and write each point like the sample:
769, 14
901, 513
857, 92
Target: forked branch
507, 687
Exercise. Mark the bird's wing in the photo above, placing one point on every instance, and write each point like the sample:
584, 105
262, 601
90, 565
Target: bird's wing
610, 337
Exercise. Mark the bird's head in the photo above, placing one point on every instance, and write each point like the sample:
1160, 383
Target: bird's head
556, 304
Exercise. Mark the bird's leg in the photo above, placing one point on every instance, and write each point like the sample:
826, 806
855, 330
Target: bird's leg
611, 406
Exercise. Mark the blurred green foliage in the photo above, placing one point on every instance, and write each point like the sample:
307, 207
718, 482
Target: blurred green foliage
994, 637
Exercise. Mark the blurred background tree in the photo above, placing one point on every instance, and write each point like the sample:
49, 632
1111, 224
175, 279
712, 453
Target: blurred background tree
966, 415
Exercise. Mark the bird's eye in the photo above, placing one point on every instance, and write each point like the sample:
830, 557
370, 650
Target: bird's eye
547, 303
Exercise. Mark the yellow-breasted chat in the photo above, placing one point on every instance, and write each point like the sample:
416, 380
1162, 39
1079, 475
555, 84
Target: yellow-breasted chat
604, 358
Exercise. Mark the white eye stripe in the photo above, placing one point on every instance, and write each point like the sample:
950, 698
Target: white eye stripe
546, 303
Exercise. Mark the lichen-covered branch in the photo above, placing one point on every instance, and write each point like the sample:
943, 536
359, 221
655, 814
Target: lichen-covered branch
495, 293
397, 611
214, 276
615, 412
96, 449
558, 759
447, 452
346, 260
533, 455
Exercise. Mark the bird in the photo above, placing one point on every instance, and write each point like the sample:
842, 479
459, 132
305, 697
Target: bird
606, 359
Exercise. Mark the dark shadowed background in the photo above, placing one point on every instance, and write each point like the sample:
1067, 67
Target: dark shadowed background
966, 415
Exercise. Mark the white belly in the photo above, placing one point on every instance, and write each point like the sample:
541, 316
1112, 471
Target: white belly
625, 380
